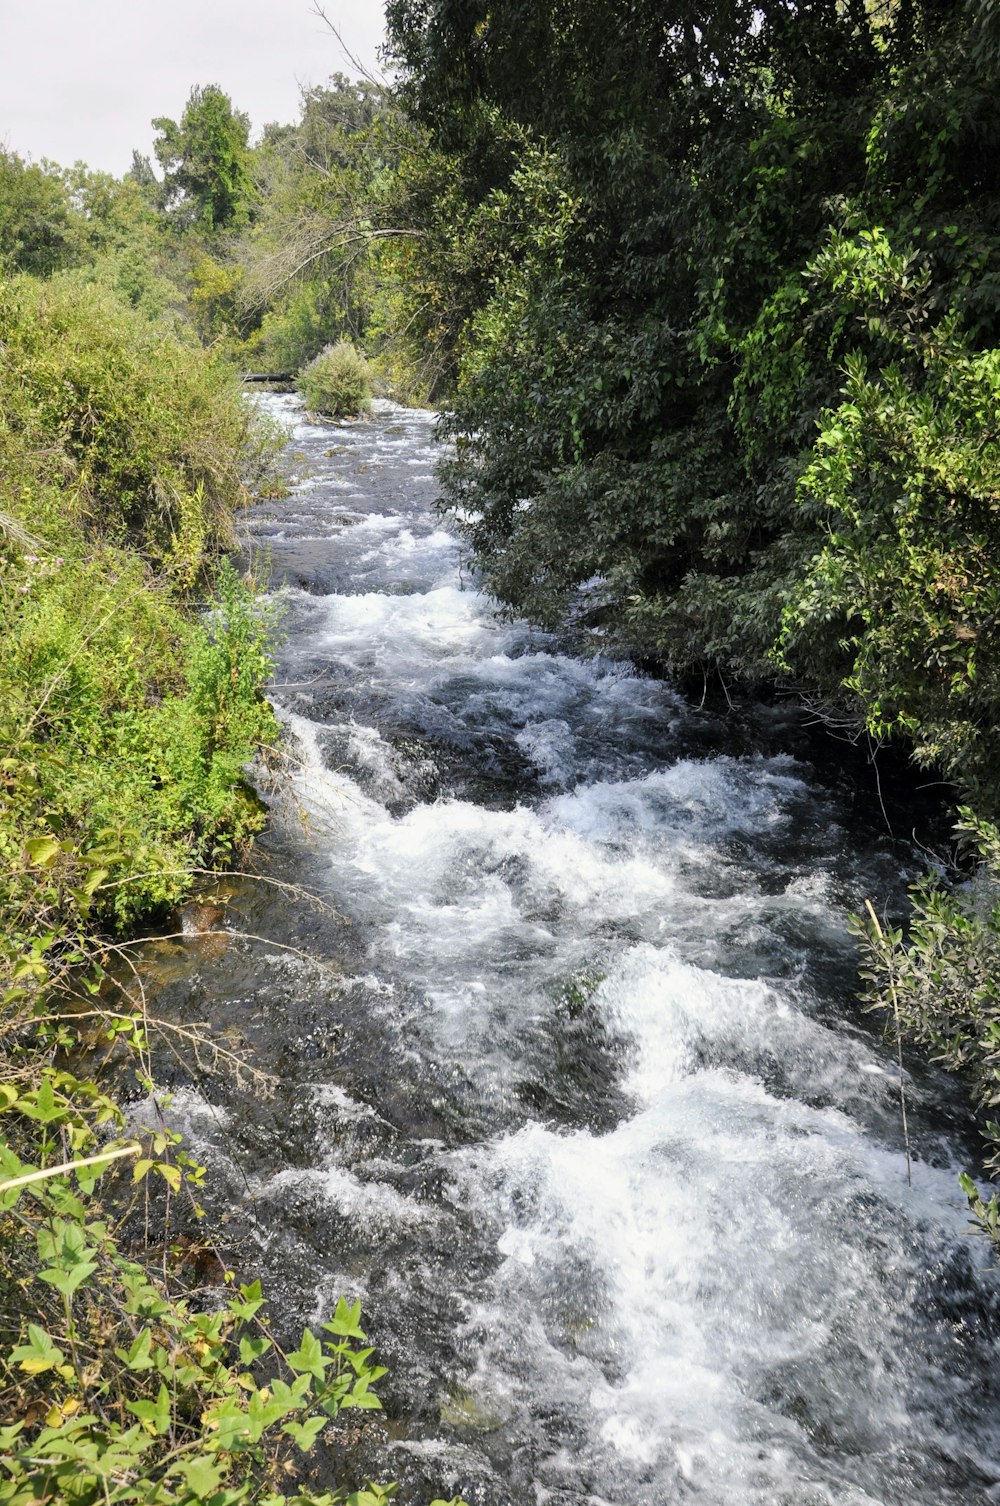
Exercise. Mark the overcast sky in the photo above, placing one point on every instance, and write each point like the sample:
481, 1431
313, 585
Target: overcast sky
81, 79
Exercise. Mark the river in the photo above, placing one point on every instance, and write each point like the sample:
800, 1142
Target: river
573, 1091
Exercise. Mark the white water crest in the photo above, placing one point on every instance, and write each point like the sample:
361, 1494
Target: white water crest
642, 1224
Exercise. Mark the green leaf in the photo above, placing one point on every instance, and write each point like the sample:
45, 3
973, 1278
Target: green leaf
39, 1354
202, 1477
231, 1425
154, 1415
42, 1105
138, 1357
365, 1401
305, 1433
309, 1359
66, 1279
346, 1321
42, 851
170, 1174
252, 1349
251, 1303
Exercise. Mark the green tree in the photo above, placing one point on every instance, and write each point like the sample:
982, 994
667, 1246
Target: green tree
205, 160
35, 231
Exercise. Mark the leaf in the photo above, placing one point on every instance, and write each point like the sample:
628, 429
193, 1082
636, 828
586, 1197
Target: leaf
305, 1433
309, 1359
229, 1423
154, 1415
251, 1303
42, 851
202, 1477
346, 1321
138, 1357
66, 1279
39, 1354
41, 1105
252, 1349
170, 1174
366, 1401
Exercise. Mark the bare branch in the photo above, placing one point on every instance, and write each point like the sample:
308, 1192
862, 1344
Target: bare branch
378, 81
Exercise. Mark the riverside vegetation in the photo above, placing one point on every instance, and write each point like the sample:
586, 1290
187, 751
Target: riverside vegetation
711, 296
127, 721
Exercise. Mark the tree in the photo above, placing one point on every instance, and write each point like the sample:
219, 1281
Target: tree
141, 171
205, 160
35, 232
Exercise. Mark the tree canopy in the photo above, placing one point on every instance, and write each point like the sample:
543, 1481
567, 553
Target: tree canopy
205, 160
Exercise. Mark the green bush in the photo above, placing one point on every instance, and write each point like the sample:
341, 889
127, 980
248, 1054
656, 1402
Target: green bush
147, 440
938, 984
125, 723
337, 382
126, 728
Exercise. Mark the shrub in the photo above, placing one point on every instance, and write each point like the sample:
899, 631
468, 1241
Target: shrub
147, 440
126, 728
125, 724
337, 382
938, 984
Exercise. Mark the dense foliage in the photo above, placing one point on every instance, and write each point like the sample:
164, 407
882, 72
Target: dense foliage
125, 723
205, 160
748, 339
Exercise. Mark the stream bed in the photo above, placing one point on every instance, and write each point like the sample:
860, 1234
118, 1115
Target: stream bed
572, 1088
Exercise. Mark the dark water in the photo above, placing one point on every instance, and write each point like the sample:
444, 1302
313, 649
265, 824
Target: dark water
572, 1090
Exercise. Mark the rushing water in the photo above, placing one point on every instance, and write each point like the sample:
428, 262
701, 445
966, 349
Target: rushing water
575, 1096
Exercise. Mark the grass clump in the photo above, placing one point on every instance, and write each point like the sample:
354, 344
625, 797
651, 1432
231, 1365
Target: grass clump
337, 382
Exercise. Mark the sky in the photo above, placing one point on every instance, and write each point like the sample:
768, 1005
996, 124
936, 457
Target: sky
82, 79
